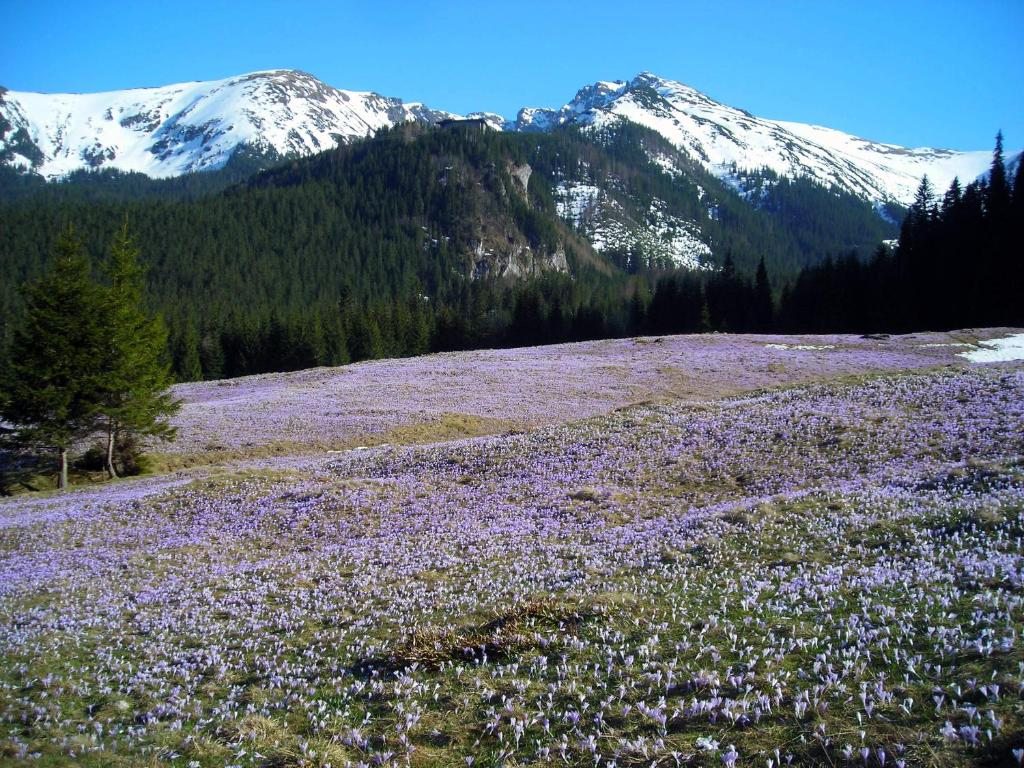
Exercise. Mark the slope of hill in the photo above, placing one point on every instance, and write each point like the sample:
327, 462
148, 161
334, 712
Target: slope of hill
434, 208
726, 140
427, 238
177, 129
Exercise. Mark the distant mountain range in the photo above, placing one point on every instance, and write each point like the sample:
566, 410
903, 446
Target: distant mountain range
177, 129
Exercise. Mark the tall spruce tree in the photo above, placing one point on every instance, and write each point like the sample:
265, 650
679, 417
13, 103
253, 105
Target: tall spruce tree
1018, 191
1017, 227
1004, 294
186, 353
135, 396
52, 380
764, 308
998, 194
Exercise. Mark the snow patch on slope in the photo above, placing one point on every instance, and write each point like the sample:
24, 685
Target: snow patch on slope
176, 129
603, 221
726, 140
577, 203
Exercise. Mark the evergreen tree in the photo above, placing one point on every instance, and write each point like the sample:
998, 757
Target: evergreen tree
997, 200
952, 197
210, 355
53, 379
418, 341
135, 399
915, 252
663, 312
764, 310
187, 358
705, 314
364, 337
335, 341
1016, 229
529, 318
1004, 295
1018, 191
638, 311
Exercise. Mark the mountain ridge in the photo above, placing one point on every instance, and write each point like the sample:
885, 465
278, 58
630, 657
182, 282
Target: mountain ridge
729, 141
187, 127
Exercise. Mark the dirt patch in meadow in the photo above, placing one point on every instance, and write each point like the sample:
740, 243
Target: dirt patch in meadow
441, 429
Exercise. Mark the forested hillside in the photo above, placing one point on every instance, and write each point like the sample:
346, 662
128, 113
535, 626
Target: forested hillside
429, 238
959, 263
432, 239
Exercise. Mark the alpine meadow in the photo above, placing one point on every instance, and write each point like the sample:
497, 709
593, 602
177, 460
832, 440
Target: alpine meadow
339, 430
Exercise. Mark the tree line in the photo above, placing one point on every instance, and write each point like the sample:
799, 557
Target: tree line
959, 263
335, 252
553, 308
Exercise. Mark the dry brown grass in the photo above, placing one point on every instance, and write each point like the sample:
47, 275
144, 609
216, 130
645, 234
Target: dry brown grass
505, 634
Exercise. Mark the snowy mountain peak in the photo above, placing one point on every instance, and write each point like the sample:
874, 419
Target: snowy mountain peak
728, 141
597, 95
175, 129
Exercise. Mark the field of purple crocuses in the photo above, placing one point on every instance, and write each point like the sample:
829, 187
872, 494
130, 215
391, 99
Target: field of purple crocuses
825, 574
442, 396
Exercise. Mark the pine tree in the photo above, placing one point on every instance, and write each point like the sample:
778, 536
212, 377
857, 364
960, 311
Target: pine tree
705, 314
997, 200
764, 310
187, 358
1018, 190
952, 197
364, 337
915, 251
52, 381
206, 360
637, 311
988, 232
1016, 235
335, 341
136, 400
419, 332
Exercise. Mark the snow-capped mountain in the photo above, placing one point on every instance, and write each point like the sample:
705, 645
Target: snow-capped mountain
176, 129
726, 140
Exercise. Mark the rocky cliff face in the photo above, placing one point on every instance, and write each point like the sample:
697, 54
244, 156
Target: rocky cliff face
501, 248
516, 259
521, 177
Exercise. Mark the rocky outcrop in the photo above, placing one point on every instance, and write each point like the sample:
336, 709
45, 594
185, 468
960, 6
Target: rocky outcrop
516, 260
521, 178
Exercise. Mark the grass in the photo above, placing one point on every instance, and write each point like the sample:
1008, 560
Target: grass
444, 428
512, 637
303, 622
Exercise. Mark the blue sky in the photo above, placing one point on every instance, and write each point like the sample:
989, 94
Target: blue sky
932, 73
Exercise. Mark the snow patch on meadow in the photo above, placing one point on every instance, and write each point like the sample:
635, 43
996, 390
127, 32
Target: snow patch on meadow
997, 350
800, 346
